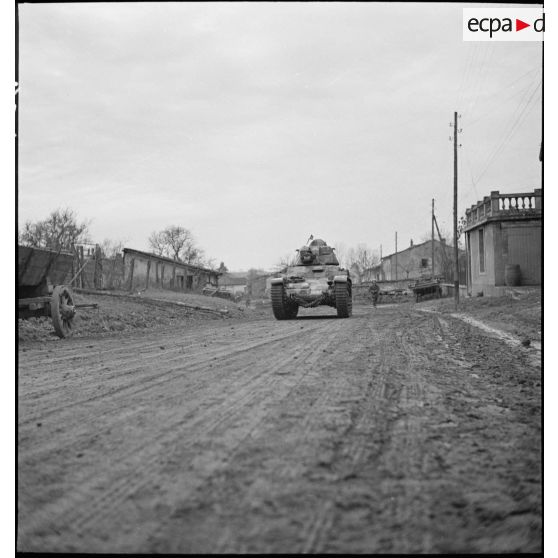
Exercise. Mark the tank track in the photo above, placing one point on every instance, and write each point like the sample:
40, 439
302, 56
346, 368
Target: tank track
283, 308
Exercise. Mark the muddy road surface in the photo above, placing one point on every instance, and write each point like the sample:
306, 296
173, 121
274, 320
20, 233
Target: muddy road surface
394, 431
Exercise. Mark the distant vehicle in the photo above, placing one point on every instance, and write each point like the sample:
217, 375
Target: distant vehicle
221, 292
316, 279
426, 286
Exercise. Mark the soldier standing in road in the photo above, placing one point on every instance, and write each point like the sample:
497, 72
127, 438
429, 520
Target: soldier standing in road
374, 291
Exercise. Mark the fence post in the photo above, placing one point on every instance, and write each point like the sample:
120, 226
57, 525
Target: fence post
81, 282
98, 274
131, 279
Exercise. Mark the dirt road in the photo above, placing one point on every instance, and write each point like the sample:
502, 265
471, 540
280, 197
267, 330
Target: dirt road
393, 431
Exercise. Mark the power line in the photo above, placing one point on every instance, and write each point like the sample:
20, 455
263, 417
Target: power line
522, 104
523, 92
473, 183
469, 64
481, 77
510, 133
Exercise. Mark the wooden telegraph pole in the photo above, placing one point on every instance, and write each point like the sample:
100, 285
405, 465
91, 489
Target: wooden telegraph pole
432, 238
396, 255
455, 252
541, 154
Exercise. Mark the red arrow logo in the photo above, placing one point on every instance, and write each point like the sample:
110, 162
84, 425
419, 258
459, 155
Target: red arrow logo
519, 25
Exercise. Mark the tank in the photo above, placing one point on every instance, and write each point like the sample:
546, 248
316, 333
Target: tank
316, 279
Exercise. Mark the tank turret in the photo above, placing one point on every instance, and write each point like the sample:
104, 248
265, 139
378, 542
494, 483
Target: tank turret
317, 252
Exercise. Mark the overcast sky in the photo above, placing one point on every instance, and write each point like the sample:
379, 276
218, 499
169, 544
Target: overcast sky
255, 125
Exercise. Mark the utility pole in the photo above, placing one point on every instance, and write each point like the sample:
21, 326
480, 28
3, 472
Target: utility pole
432, 238
455, 252
541, 155
396, 255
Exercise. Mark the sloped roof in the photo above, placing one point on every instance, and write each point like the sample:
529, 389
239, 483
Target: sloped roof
229, 280
169, 260
414, 246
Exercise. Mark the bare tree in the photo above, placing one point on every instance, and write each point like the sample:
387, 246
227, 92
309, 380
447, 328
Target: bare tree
157, 243
176, 239
210, 263
361, 258
192, 254
59, 231
341, 253
111, 248
285, 261
177, 243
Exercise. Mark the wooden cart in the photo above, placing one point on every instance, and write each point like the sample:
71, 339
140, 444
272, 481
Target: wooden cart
41, 289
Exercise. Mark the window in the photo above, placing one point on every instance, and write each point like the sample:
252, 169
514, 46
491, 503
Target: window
424, 262
481, 250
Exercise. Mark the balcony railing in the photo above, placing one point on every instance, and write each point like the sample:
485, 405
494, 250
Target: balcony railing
503, 205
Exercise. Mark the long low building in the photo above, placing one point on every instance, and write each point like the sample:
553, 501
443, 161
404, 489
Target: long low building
143, 270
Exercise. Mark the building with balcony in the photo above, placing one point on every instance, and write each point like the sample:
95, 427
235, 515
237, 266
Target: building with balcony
503, 235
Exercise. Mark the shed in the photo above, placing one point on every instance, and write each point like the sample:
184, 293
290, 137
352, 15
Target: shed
143, 270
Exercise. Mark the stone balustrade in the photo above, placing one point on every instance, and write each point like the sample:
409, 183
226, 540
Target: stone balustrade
503, 205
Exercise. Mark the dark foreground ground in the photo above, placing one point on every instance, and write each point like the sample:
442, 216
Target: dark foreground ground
405, 429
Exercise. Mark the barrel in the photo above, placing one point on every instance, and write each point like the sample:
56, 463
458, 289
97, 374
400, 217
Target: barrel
512, 275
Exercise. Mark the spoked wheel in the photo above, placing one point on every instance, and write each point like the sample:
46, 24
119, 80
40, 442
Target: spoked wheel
283, 308
343, 300
62, 311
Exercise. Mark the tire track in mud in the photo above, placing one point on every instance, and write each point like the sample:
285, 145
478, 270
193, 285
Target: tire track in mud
95, 375
406, 455
235, 363
211, 419
125, 343
359, 417
365, 458
461, 399
345, 457
333, 438
343, 408
41, 359
281, 389
255, 417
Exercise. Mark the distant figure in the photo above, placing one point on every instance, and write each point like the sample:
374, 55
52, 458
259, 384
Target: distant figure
374, 291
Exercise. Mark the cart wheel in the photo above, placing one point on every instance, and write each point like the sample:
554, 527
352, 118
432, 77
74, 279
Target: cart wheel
62, 311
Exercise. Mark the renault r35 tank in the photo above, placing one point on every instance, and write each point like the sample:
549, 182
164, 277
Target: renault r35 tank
316, 279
